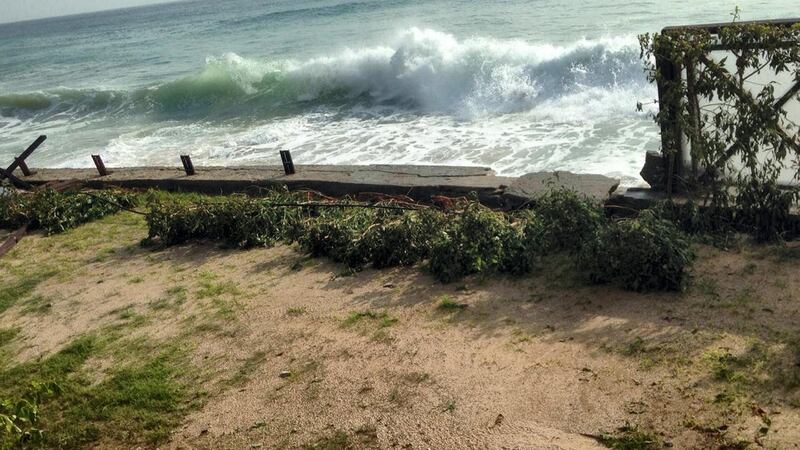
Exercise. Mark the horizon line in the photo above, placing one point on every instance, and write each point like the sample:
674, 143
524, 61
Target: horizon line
96, 12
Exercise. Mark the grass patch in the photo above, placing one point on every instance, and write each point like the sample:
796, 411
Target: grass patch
129, 315
247, 368
726, 368
7, 335
211, 288
630, 438
364, 437
635, 347
295, 312
38, 304
13, 292
301, 371
519, 336
371, 322
173, 298
447, 304
139, 401
739, 369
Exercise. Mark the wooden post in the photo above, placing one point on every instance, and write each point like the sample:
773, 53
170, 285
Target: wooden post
24, 168
21, 158
188, 167
101, 168
288, 165
19, 161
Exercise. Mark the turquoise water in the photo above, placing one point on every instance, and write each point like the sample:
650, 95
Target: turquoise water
516, 85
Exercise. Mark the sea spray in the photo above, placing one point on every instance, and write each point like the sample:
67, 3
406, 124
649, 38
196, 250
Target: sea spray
422, 97
424, 70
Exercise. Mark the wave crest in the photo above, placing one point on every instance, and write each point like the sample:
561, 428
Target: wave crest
422, 70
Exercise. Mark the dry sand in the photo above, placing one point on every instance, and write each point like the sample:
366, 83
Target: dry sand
543, 362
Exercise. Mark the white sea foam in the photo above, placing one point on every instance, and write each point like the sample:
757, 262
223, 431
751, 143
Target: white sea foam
425, 97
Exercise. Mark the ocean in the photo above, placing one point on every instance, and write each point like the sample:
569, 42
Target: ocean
519, 86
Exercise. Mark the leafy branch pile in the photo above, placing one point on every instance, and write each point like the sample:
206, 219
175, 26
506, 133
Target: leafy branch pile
469, 239
739, 134
645, 254
55, 212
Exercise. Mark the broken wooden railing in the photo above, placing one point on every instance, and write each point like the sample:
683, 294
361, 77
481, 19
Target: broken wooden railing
19, 161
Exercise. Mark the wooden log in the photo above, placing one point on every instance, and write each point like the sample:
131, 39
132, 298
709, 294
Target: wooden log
12, 240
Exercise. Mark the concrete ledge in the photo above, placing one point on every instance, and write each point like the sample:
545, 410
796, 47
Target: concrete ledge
533, 185
417, 182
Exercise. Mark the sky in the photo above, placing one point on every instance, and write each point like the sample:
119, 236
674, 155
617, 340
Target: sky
16, 10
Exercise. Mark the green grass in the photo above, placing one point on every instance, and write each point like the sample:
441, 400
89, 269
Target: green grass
172, 299
726, 368
7, 335
139, 401
446, 303
295, 312
739, 369
211, 288
303, 370
38, 304
248, 367
129, 315
630, 438
364, 437
635, 347
371, 322
520, 336
14, 291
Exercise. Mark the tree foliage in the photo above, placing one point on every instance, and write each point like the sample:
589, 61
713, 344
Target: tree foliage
740, 136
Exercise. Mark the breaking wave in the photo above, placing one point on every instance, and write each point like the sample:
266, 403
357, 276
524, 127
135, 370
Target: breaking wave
422, 70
